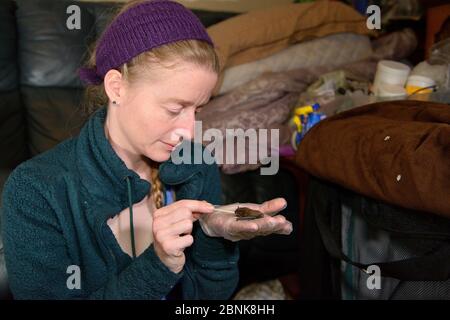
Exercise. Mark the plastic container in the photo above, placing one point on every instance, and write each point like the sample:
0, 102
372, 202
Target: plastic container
391, 73
298, 121
313, 119
300, 111
417, 82
309, 121
391, 92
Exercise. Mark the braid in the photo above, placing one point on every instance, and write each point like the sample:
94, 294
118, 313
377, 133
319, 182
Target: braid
156, 193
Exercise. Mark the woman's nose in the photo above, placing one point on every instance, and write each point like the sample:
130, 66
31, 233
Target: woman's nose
186, 124
184, 129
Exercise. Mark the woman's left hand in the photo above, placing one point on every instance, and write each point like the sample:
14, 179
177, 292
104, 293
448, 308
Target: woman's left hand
225, 225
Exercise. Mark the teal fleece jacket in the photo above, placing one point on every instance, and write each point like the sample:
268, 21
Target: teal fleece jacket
56, 204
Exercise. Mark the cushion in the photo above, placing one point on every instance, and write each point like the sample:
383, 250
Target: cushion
258, 34
12, 124
4, 290
12, 130
53, 115
49, 52
8, 54
331, 50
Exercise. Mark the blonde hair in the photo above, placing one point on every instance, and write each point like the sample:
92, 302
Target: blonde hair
197, 52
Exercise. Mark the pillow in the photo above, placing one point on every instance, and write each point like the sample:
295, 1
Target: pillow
332, 50
258, 34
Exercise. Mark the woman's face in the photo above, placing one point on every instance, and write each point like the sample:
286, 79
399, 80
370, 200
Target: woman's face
153, 114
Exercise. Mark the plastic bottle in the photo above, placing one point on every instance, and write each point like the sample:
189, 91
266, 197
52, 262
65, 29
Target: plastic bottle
299, 111
305, 117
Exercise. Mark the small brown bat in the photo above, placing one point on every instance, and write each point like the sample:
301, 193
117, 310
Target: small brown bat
244, 213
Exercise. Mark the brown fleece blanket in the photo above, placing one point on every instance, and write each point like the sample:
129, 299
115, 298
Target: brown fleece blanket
397, 152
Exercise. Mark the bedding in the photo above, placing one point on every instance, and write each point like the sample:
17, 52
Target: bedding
259, 34
266, 101
331, 50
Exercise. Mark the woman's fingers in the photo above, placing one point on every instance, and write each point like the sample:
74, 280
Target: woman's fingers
165, 221
261, 227
273, 206
182, 209
244, 226
192, 205
174, 230
279, 225
287, 228
175, 247
172, 226
270, 207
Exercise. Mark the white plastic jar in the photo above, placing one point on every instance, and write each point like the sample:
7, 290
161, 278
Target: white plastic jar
390, 73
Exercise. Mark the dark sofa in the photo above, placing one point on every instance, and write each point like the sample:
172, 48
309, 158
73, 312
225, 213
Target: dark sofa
40, 98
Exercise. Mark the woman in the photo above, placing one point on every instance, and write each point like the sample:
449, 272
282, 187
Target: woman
96, 216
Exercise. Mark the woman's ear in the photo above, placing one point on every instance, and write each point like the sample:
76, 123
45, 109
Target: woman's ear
114, 87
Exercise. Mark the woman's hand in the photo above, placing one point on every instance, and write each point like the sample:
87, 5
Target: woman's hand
225, 224
172, 227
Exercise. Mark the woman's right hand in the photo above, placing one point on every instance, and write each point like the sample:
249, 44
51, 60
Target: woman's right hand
172, 227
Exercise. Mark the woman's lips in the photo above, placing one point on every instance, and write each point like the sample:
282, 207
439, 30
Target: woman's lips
169, 145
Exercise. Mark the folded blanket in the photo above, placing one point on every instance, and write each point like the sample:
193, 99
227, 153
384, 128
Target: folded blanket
259, 34
331, 50
397, 152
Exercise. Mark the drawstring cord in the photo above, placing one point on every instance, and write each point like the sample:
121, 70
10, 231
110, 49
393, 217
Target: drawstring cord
130, 207
130, 203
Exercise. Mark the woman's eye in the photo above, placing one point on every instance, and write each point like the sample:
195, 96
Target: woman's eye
174, 111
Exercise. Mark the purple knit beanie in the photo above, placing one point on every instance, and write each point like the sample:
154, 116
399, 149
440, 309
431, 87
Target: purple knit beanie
143, 27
